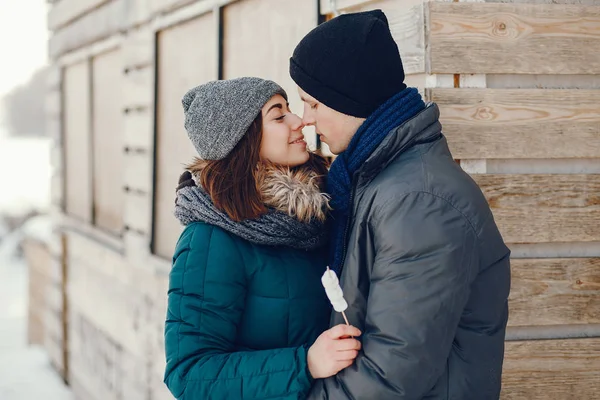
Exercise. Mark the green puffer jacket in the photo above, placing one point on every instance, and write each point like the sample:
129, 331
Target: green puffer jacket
241, 317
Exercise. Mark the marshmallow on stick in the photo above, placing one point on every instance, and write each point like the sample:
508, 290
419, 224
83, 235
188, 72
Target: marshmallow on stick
334, 292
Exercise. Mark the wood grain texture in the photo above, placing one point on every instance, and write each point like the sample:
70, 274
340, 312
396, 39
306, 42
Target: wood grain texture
520, 123
173, 147
551, 370
514, 38
554, 291
544, 208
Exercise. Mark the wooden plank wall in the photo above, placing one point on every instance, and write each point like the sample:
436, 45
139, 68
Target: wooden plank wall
508, 110
46, 307
519, 99
173, 147
535, 150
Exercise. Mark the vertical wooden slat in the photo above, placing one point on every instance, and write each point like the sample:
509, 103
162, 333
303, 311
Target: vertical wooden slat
249, 27
173, 148
78, 193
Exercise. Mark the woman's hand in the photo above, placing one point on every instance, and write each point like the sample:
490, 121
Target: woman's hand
333, 351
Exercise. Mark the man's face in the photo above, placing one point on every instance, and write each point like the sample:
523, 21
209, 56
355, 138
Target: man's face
334, 128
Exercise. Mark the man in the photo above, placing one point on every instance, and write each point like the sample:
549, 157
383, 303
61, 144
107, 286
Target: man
421, 261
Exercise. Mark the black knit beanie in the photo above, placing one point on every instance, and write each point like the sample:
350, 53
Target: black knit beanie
350, 63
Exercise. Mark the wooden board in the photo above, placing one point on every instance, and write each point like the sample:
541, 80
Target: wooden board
551, 370
139, 12
249, 27
39, 279
107, 141
65, 11
514, 123
138, 214
137, 174
110, 307
406, 20
513, 38
138, 89
77, 143
544, 208
162, 6
555, 291
173, 148
105, 21
138, 130
100, 365
117, 315
137, 246
138, 48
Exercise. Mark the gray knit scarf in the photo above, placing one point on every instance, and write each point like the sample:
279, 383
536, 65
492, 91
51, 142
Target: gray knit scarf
276, 228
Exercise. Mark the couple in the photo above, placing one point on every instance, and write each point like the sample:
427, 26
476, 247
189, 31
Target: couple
421, 262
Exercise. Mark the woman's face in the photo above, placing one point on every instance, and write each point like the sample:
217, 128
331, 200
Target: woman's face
282, 138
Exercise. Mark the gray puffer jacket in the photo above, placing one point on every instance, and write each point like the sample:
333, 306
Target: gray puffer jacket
426, 276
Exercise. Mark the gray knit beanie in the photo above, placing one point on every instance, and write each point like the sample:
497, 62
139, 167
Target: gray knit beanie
218, 113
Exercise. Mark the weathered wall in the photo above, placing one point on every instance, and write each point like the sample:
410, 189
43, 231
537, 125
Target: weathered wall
517, 83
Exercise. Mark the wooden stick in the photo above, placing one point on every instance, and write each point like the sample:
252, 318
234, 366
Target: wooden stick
345, 318
347, 323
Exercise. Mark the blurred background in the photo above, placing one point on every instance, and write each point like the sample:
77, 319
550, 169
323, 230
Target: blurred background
25, 171
92, 144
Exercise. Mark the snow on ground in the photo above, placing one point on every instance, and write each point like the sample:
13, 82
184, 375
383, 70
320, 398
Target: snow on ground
25, 371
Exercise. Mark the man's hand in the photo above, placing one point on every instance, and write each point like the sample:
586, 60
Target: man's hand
333, 351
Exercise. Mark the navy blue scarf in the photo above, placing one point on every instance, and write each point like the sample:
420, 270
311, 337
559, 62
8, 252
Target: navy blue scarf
394, 112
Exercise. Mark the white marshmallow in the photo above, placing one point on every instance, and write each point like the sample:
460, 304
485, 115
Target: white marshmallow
334, 291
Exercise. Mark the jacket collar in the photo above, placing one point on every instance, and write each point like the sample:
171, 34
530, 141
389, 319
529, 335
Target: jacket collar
422, 128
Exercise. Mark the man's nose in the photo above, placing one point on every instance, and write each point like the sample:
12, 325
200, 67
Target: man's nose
308, 119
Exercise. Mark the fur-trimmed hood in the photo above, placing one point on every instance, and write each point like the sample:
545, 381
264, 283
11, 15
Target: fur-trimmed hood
297, 192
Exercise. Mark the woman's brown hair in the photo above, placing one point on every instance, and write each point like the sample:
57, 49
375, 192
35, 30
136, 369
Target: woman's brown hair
231, 182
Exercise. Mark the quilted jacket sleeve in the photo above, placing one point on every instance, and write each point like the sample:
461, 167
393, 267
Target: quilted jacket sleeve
207, 289
419, 285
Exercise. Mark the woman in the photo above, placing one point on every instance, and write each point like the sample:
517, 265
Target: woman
245, 299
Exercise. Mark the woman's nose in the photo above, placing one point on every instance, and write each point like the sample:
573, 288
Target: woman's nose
296, 122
